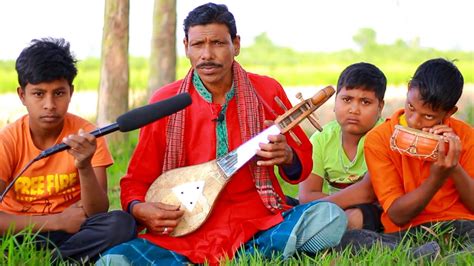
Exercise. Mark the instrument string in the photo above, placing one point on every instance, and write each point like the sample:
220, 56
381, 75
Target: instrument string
227, 163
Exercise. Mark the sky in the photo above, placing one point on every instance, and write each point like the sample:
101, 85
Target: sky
311, 25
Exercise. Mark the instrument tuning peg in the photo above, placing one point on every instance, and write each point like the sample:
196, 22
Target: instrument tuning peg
299, 96
282, 106
312, 117
280, 103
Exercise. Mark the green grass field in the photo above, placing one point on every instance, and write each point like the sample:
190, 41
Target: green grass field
398, 61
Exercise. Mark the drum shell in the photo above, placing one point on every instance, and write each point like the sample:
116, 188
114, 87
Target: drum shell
416, 143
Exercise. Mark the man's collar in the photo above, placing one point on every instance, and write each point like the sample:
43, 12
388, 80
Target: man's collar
197, 82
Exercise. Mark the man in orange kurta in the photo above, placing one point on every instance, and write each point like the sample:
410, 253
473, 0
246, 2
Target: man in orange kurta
229, 107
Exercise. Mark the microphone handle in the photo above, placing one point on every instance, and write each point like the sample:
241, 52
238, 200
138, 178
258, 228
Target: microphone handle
63, 146
105, 130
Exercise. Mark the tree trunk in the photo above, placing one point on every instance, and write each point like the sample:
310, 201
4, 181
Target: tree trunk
114, 78
163, 45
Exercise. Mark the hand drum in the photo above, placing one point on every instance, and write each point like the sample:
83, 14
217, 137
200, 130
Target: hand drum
415, 143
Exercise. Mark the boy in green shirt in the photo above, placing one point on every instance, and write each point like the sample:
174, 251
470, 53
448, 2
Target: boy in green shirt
338, 158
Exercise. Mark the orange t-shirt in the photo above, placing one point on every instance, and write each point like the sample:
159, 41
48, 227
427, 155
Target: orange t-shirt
394, 175
51, 184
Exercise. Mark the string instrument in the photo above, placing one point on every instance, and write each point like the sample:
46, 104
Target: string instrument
197, 187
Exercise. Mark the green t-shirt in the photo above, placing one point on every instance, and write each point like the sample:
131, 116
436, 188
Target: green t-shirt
330, 161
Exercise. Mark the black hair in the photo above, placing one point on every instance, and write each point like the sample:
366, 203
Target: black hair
45, 60
210, 13
439, 83
363, 76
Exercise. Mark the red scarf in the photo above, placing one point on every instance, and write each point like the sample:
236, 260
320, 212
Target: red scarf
251, 117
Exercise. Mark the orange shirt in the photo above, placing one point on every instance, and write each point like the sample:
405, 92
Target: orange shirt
51, 184
394, 175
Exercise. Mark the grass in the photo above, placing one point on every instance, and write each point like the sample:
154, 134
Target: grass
20, 249
122, 154
25, 253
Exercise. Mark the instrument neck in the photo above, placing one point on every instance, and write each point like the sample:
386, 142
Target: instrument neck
234, 160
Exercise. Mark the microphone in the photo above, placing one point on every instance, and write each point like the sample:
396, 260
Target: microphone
219, 118
132, 120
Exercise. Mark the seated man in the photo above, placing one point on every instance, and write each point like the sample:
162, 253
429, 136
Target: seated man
64, 195
338, 157
229, 107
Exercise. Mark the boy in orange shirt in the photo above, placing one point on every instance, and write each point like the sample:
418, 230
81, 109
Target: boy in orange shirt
413, 192
64, 196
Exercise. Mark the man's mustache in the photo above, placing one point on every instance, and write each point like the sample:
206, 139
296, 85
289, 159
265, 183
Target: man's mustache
208, 64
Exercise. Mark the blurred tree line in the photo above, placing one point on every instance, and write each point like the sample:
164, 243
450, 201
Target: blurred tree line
292, 68
397, 60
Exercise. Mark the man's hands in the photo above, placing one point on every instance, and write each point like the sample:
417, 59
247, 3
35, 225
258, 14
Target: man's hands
277, 151
158, 218
83, 146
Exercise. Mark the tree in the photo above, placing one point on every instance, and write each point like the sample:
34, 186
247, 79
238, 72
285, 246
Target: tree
163, 45
262, 40
114, 72
365, 38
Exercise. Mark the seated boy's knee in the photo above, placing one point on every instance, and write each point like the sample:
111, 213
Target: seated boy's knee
113, 259
122, 225
333, 212
342, 218
333, 208
355, 219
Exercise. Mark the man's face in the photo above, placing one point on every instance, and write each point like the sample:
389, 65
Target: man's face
211, 52
357, 110
420, 115
47, 103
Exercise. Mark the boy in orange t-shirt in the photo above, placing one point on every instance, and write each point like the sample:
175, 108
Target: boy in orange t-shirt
64, 196
414, 192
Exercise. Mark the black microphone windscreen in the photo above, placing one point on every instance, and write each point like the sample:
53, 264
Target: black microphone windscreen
144, 115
